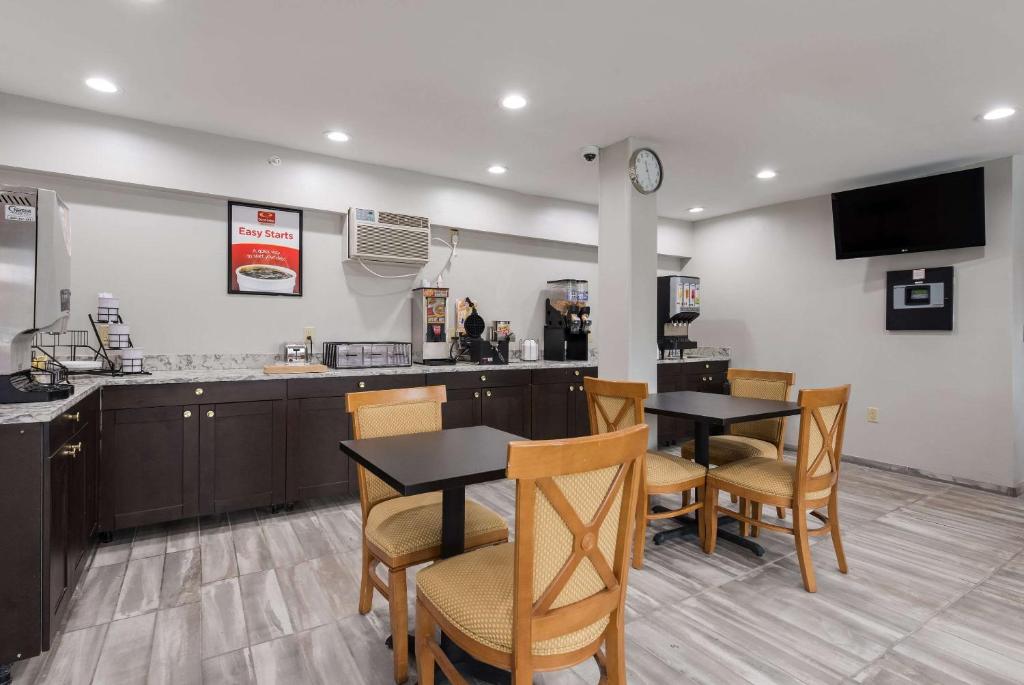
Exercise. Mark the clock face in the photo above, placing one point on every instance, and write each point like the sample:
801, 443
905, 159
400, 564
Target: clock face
645, 170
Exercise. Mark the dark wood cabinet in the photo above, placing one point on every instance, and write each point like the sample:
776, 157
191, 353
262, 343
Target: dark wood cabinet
507, 408
559, 403
60, 535
696, 376
463, 408
316, 467
496, 398
150, 466
241, 455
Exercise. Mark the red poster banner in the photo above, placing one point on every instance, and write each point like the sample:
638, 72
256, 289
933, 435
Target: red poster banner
264, 250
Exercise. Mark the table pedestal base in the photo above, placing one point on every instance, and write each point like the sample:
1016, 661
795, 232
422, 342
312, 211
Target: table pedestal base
467, 665
689, 527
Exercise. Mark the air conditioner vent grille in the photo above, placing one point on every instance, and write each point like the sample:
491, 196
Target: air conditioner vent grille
380, 241
23, 199
403, 220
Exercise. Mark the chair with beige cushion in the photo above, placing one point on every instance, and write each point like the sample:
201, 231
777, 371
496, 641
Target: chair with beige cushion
615, 405
806, 486
554, 597
400, 532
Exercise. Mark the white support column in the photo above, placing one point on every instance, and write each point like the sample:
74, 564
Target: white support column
627, 274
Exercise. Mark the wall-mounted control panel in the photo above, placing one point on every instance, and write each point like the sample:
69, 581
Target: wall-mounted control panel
919, 300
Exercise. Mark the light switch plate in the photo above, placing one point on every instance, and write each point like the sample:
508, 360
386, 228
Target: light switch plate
873, 414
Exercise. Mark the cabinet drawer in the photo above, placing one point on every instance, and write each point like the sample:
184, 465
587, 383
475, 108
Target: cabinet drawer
171, 394
73, 420
563, 375
338, 387
484, 378
704, 368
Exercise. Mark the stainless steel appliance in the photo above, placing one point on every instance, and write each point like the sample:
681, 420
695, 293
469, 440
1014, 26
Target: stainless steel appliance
678, 306
35, 287
430, 326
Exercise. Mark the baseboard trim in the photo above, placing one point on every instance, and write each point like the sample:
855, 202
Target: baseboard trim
1008, 491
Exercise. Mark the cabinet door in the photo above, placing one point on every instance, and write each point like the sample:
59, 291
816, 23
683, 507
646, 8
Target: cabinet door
462, 408
81, 499
579, 419
550, 410
150, 466
507, 409
60, 484
316, 466
241, 455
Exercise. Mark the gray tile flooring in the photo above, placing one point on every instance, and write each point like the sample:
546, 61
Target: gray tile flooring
935, 594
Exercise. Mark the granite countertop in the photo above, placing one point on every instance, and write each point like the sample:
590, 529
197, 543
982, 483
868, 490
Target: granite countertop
201, 372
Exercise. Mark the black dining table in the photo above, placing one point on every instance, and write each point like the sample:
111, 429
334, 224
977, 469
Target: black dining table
707, 409
447, 460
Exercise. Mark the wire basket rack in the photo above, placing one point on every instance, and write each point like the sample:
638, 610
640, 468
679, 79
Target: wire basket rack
367, 355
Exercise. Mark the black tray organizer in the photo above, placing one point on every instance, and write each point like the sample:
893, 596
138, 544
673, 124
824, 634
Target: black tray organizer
367, 355
78, 346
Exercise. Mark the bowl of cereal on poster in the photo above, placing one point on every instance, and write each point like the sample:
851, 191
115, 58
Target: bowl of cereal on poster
265, 278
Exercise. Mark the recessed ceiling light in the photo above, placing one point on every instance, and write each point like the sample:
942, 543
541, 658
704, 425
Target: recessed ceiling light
101, 84
998, 113
696, 210
496, 169
766, 173
336, 136
513, 101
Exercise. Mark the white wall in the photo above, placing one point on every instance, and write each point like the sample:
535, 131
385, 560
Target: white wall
772, 290
41, 136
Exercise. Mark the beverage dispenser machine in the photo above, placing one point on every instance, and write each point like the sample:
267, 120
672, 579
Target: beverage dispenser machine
567, 320
678, 306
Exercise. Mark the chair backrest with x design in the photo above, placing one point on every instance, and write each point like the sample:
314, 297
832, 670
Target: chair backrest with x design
614, 405
819, 450
575, 503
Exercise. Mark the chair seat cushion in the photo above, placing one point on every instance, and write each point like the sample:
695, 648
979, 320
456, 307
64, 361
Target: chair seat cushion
406, 525
474, 592
768, 476
726, 449
666, 470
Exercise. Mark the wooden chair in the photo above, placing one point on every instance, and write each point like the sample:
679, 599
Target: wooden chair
555, 596
762, 438
615, 405
400, 532
804, 487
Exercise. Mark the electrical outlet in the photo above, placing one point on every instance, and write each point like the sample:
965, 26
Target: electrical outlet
453, 235
307, 332
873, 414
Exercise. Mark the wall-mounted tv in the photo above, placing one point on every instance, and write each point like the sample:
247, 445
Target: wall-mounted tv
933, 213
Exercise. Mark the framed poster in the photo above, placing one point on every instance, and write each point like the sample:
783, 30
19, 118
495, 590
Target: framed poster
264, 250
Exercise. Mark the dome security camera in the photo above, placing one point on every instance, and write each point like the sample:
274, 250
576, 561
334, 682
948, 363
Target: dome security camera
589, 152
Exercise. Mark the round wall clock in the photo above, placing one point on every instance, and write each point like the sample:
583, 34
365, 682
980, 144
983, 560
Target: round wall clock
645, 170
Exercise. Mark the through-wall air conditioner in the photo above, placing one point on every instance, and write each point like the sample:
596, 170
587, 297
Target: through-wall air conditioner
388, 237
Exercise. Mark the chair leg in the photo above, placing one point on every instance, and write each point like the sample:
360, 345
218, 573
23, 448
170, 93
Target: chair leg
640, 533
522, 673
755, 531
615, 649
733, 498
780, 512
365, 586
686, 499
710, 516
837, 542
744, 508
803, 549
698, 513
399, 605
424, 655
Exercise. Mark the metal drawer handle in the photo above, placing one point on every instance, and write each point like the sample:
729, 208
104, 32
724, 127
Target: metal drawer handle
199, 391
187, 413
476, 395
76, 417
488, 393
576, 372
572, 388
483, 377
707, 366
581, 388
362, 384
210, 413
72, 450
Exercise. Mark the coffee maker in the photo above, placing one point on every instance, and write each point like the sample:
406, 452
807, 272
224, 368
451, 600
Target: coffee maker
35, 288
567, 320
678, 306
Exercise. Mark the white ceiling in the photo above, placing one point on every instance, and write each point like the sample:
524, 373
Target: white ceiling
831, 93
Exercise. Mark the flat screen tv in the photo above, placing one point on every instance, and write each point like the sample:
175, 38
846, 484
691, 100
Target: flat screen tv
933, 213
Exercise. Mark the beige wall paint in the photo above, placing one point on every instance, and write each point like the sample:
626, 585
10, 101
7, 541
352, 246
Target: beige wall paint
773, 291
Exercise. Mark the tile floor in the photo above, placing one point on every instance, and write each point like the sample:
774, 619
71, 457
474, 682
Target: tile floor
935, 594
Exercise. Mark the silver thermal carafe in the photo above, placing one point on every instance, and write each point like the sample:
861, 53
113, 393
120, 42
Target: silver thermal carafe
678, 306
35, 286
